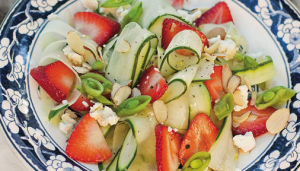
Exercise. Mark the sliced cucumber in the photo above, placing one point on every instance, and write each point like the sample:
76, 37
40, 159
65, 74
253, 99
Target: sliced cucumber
205, 70
108, 50
160, 55
178, 83
150, 59
172, 61
178, 113
199, 100
124, 67
223, 151
54, 46
257, 74
127, 152
109, 140
106, 130
113, 165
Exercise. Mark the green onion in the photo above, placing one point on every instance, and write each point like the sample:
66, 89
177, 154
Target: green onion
224, 107
115, 3
133, 105
92, 87
198, 162
98, 65
107, 85
133, 14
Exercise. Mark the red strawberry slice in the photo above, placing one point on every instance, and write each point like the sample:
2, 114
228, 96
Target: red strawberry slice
218, 14
79, 106
153, 84
177, 4
97, 27
214, 85
167, 147
171, 27
56, 79
87, 143
258, 126
200, 136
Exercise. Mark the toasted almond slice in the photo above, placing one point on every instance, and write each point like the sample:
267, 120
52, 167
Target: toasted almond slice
226, 75
74, 41
242, 118
252, 118
247, 84
121, 94
160, 111
235, 124
253, 98
233, 83
238, 98
173, 25
89, 57
115, 88
123, 47
217, 31
219, 55
212, 48
242, 152
81, 70
278, 120
135, 92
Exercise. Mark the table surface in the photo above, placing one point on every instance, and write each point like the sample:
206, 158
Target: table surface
8, 160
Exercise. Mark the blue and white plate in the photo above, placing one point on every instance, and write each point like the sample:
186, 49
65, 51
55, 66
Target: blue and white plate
270, 26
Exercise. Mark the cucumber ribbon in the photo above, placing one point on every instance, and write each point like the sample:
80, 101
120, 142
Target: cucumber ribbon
224, 107
198, 162
133, 105
273, 96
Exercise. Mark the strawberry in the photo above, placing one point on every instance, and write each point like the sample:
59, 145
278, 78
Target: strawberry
214, 85
87, 143
171, 27
177, 4
97, 27
258, 126
200, 136
167, 147
56, 79
218, 14
79, 106
152, 84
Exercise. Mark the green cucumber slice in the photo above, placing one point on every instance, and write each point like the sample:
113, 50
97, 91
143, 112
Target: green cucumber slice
223, 151
206, 68
260, 73
199, 100
172, 61
113, 165
178, 83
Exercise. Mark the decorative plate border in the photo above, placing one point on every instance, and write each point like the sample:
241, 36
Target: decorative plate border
18, 31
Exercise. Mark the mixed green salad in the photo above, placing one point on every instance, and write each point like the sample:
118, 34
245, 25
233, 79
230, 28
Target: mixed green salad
148, 85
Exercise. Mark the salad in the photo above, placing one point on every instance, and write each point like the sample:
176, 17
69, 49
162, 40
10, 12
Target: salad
148, 85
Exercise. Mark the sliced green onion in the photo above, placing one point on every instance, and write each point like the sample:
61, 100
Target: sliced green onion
115, 3
107, 85
103, 100
224, 107
94, 90
133, 14
98, 65
198, 162
133, 105
249, 62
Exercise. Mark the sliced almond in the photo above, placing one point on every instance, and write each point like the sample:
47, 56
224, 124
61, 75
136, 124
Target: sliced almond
242, 118
173, 25
233, 83
247, 84
123, 47
160, 111
89, 57
219, 55
217, 31
121, 94
278, 120
253, 98
242, 152
81, 70
135, 92
235, 124
238, 98
74, 41
87, 66
226, 75
212, 48
115, 88
252, 118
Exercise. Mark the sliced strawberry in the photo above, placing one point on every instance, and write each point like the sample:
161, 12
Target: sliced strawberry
177, 4
171, 27
87, 143
200, 136
218, 14
258, 126
79, 104
214, 85
56, 79
153, 84
97, 27
167, 147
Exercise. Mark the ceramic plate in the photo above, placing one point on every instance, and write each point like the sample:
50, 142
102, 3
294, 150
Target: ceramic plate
270, 26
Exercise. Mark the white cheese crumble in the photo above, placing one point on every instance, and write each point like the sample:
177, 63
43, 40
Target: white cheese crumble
227, 47
103, 114
90, 4
118, 13
190, 17
245, 142
67, 123
244, 93
75, 58
52, 17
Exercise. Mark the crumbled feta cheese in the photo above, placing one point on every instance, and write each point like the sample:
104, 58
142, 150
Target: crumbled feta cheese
65, 102
245, 142
214, 40
75, 58
244, 93
52, 17
228, 47
103, 114
68, 121
120, 13
65, 127
190, 17
135, 92
90, 4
